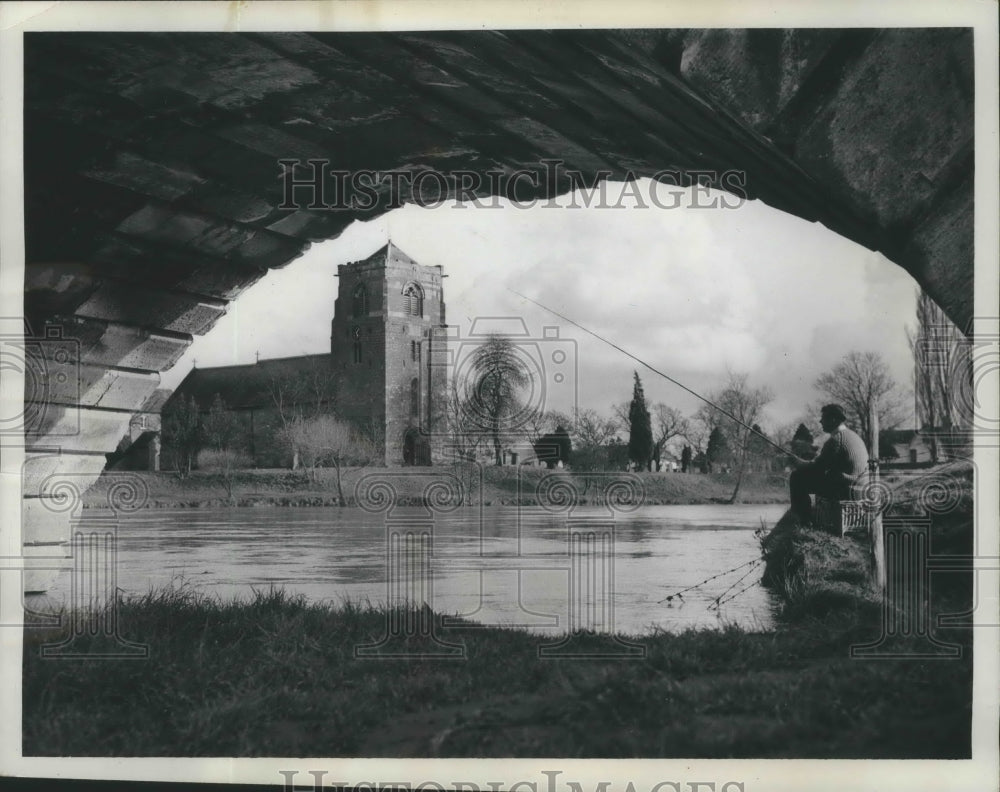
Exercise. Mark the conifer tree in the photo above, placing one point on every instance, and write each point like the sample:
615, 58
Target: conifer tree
640, 434
717, 450
802, 443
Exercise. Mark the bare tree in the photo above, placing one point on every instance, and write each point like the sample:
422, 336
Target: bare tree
668, 423
557, 418
744, 404
696, 432
592, 429
464, 434
303, 397
325, 439
941, 356
537, 423
784, 433
498, 377
592, 434
225, 453
619, 415
858, 380
226, 461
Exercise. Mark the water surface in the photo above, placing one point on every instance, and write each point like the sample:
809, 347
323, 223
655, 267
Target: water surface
498, 565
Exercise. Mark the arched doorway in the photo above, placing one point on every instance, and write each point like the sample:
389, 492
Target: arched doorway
416, 449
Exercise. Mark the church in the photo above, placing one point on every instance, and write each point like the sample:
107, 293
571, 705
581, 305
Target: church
386, 372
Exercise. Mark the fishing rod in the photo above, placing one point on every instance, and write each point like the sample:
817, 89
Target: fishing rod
667, 377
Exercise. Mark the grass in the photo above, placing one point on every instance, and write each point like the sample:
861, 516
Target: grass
277, 676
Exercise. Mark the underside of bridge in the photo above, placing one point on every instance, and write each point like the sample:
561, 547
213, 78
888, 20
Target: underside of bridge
154, 192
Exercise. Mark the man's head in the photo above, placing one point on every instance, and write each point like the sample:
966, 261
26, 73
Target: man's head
831, 416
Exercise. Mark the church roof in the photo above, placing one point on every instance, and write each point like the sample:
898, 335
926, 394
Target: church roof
248, 386
390, 252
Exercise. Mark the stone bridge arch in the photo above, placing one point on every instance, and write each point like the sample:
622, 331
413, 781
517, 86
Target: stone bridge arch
153, 189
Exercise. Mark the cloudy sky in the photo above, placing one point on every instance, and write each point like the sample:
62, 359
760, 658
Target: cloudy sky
693, 291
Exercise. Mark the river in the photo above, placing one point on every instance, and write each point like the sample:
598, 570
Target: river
501, 565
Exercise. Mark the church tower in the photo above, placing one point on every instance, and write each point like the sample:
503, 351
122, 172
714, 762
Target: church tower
389, 349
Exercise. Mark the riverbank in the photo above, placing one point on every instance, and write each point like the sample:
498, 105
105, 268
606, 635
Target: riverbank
279, 676
467, 485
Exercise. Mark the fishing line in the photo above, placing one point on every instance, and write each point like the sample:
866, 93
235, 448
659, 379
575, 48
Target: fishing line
667, 377
734, 596
706, 580
722, 597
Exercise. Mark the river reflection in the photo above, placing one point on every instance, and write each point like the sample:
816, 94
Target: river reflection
500, 565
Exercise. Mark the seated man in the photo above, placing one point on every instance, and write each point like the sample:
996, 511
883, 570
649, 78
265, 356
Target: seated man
842, 462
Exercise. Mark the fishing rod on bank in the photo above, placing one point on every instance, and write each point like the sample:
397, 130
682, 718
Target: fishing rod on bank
667, 377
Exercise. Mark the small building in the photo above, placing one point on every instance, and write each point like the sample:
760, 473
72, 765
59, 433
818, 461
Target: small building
924, 446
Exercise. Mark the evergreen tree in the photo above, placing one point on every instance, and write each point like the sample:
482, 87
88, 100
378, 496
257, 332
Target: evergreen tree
802, 443
802, 434
718, 448
686, 459
640, 435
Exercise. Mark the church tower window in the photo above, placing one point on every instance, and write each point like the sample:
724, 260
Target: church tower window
359, 301
413, 300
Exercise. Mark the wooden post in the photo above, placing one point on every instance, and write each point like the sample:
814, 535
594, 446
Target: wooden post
877, 542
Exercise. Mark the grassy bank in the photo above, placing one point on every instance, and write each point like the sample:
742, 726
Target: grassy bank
488, 485
278, 676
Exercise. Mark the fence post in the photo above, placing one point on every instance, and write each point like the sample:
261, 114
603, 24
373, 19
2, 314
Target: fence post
877, 537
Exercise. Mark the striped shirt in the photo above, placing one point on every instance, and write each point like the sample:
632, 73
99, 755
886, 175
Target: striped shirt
844, 454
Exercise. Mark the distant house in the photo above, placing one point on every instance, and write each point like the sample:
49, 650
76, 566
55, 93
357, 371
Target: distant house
669, 462
917, 447
902, 445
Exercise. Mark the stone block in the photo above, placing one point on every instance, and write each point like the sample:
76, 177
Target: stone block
106, 343
74, 383
41, 472
139, 174
57, 288
155, 223
753, 73
76, 429
895, 121
132, 304
941, 254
